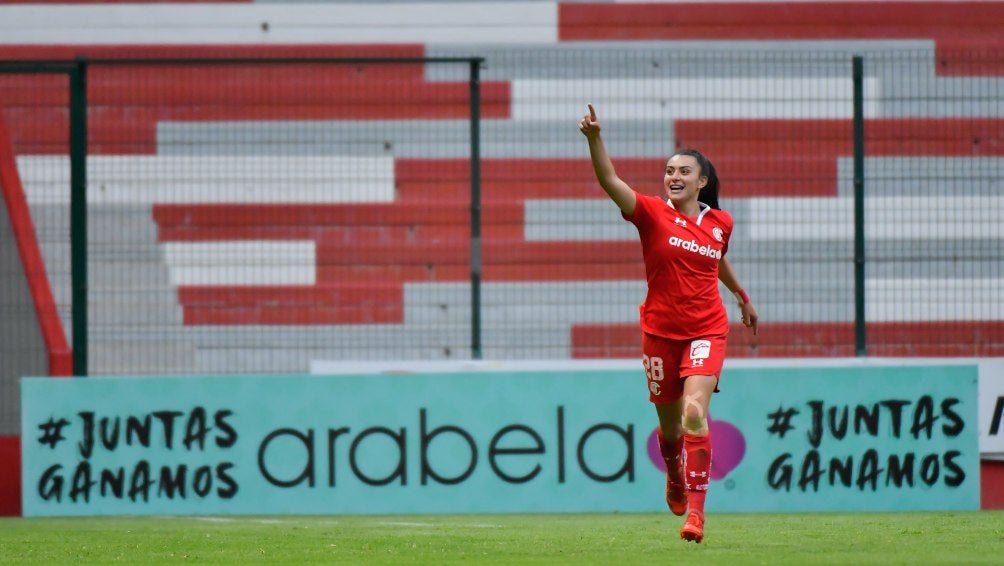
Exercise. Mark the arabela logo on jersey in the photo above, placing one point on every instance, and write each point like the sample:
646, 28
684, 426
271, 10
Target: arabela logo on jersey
693, 246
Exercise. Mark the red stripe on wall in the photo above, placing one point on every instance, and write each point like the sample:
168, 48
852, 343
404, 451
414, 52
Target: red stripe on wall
779, 20
949, 24
964, 56
157, 51
815, 340
345, 303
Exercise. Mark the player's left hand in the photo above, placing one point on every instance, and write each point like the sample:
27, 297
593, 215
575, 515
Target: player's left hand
749, 317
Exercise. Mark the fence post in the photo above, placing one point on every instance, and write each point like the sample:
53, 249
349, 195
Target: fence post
78, 213
475, 82
860, 344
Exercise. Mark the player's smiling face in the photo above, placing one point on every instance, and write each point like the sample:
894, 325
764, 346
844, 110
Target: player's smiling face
683, 180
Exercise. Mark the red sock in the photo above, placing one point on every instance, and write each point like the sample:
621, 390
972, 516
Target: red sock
698, 467
671, 453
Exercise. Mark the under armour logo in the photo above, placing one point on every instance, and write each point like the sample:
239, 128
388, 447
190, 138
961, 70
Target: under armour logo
681, 222
698, 474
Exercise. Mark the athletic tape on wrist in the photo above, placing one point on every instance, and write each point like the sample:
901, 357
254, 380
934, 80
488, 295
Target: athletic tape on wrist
743, 296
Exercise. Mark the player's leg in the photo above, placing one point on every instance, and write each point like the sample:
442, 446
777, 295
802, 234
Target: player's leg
697, 391
700, 367
671, 447
662, 371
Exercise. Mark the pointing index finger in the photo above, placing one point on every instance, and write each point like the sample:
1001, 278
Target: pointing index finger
592, 112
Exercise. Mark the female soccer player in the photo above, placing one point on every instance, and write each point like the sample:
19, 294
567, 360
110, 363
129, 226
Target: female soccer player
684, 237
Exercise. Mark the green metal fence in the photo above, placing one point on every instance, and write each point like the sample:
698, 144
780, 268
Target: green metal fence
260, 215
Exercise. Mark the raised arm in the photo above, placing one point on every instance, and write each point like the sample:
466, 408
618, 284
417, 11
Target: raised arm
728, 276
619, 191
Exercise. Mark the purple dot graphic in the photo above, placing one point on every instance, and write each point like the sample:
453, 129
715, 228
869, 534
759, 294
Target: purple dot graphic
727, 444
727, 448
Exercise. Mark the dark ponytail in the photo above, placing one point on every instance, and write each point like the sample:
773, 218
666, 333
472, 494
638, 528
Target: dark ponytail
709, 194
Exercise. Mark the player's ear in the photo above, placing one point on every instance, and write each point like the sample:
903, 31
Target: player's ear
702, 182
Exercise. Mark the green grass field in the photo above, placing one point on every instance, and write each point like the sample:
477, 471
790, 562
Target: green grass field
617, 539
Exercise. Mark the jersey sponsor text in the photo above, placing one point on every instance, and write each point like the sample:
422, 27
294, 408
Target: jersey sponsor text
693, 246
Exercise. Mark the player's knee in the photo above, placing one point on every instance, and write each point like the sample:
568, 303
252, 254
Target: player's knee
695, 418
693, 408
671, 430
694, 425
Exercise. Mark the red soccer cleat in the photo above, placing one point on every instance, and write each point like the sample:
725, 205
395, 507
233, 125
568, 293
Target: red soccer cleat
693, 529
676, 495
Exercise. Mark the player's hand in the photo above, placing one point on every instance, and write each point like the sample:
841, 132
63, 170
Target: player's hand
749, 317
589, 125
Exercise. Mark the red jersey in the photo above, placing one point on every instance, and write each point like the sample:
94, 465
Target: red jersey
681, 263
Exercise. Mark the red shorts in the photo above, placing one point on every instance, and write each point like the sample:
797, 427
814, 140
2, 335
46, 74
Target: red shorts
668, 361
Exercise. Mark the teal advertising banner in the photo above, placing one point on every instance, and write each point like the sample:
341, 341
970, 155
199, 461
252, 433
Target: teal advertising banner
803, 439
